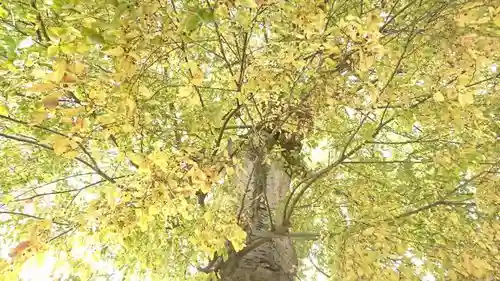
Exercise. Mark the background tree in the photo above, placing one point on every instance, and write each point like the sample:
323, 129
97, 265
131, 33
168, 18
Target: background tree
235, 140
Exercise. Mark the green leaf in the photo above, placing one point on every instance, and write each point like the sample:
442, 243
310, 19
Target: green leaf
190, 23
96, 38
4, 110
206, 15
3, 13
140, 128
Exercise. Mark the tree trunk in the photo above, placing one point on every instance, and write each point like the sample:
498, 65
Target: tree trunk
263, 187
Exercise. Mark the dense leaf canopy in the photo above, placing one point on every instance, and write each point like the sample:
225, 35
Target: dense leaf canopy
117, 116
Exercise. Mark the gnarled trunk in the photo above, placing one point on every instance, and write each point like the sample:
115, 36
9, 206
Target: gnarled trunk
263, 187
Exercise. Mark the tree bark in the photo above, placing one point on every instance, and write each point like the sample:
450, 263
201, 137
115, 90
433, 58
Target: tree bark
263, 186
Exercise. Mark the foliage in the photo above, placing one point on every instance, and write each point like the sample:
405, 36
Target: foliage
115, 114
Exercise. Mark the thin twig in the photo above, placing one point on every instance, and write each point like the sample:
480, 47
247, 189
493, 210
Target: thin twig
36, 143
30, 216
52, 182
60, 234
223, 128
42, 24
82, 147
60, 192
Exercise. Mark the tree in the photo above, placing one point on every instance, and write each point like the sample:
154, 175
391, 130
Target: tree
236, 139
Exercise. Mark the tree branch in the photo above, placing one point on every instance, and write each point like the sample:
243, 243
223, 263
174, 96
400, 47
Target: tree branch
82, 147
434, 204
60, 234
219, 36
317, 267
223, 128
403, 142
291, 203
54, 181
23, 32
482, 81
395, 15
39, 18
67, 191
36, 143
30, 216
385, 162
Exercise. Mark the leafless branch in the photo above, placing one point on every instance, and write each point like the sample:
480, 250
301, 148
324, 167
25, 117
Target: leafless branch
434, 204
60, 234
52, 182
82, 147
317, 267
30, 216
36, 143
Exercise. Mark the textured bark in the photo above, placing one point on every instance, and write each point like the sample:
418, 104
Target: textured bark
263, 187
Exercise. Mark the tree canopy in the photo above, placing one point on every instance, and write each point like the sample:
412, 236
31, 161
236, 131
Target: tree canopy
123, 124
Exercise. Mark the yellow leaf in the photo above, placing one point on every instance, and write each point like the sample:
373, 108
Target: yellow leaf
45, 224
136, 158
112, 195
40, 258
197, 79
38, 118
452, 275
153, 210
59, 70
44, 87
52, 50
70, 154
205, 187
480, 264
438, 96
466, 263
466, 98
69, 78
497, 20
38, 73
73, 144
131, 106
238, 238
83, 274
134, 55
208, 216
145, 92
463, 80
70, 112
61, 145
127, 128
185, 92
369, 231
87, 22
51, 101
4, 110
78, 68
105, 119
247, 3
115, 52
